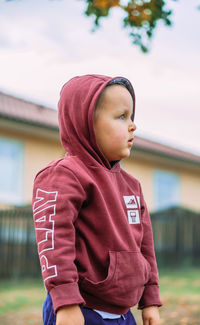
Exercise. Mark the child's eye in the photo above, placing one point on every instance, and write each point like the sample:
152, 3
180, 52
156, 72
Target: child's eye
122, 117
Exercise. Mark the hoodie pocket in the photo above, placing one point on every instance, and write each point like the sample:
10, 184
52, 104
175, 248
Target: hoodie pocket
128, 272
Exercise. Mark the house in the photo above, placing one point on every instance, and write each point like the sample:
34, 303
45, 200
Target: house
29, 140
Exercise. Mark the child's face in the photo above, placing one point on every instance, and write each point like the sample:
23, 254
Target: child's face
112, 122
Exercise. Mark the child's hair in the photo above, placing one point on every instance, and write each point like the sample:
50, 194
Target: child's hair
117, 81
124, 82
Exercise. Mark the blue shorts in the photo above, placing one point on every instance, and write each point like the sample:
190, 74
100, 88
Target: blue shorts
93, 318
90, 316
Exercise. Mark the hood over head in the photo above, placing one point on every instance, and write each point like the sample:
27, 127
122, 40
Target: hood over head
76, 106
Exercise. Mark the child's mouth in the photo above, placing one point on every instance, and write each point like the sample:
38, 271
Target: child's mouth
130, 141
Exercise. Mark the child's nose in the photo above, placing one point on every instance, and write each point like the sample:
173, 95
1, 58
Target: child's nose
132, 127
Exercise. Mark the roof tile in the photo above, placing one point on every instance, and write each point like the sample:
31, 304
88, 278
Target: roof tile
19, 109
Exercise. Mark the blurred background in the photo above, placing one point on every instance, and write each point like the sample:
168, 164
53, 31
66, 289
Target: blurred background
42, 45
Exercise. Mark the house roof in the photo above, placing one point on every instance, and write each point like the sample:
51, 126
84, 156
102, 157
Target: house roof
164, 150
21, 110
25, 111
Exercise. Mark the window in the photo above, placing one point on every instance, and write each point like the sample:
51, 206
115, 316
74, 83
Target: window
166, 189
11, 171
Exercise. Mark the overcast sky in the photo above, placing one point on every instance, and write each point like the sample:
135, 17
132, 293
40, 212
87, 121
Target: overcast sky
43, 43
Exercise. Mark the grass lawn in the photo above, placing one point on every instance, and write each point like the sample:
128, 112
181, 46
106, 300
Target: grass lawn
21, 302
180, 294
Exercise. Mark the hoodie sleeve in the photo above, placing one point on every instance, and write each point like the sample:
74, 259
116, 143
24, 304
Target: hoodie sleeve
57, 199
150, 295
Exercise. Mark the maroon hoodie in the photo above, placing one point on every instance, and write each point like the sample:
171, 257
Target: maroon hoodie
92, 226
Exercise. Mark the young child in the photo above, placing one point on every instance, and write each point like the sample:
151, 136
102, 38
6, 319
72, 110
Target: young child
93, 229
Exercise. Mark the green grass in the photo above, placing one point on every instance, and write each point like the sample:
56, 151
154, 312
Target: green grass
180, 282
21, 301
20, 294
180, 295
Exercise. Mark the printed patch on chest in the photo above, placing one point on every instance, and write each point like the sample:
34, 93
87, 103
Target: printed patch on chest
133, 217
130, 202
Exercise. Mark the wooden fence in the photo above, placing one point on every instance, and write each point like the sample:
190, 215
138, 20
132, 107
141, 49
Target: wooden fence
18, 252
176, 238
